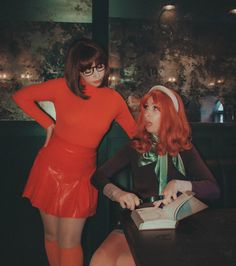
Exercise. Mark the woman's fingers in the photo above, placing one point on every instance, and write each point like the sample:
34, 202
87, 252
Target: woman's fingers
174, 196
122, 204
157, 203
137, 201
170, 192
129, 201
167, 199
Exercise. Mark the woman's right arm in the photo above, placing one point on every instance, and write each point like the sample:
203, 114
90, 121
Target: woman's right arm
27, 98
101, 179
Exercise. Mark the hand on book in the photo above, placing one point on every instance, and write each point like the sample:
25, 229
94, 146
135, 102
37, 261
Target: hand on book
126, 199
171, 190
168, 217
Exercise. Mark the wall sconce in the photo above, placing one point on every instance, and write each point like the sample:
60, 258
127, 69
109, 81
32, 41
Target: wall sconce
25, 76
172, 79
233, 11
167, 13
211, 84
3, 76
112, 78
220, 81
168, 5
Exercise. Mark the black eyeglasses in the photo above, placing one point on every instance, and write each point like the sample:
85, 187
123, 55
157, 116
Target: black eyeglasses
89, 71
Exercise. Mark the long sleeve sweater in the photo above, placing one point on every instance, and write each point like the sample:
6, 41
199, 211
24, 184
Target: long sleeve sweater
78, 121
144, 180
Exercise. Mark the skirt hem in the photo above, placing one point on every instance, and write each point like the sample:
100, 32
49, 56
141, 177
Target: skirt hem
35, 205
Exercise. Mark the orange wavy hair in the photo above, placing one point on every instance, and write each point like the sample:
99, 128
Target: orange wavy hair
174, 132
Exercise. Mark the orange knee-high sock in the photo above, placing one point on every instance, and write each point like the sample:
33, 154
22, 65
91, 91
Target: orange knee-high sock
52, 251
71, 256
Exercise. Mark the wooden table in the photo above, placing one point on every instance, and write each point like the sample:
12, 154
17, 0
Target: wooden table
207, 238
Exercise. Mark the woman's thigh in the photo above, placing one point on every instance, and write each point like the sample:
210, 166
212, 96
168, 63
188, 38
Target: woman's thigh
70, 231
67, 231
114, 248
50, 224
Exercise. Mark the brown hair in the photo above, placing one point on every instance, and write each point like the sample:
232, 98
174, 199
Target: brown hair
80, 56
174, 132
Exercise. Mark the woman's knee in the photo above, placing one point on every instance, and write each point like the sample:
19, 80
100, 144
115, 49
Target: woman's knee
101, 258
70, 232
69, 241
50, 224
110, 250
126, 259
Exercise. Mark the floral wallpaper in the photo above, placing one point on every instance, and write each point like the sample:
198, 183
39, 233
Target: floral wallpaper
194, 56
31, 52
197, 58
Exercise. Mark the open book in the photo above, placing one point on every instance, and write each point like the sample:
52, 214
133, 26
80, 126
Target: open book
168, 216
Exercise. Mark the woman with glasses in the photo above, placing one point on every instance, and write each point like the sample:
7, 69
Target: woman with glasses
59, 181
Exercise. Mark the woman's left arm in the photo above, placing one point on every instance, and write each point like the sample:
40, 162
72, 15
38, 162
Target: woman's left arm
199, 179
202, 180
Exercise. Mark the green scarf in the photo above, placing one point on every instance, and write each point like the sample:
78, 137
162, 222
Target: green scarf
161, 166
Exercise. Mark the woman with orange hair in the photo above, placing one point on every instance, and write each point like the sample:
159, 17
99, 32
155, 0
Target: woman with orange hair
163, 162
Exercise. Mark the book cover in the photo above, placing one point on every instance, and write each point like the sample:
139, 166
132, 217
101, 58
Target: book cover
167, 217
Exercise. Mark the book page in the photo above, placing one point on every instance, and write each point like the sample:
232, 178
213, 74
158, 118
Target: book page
150, 213
171, 209
190, 207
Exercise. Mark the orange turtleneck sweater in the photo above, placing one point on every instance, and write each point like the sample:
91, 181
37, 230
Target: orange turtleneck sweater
80, 122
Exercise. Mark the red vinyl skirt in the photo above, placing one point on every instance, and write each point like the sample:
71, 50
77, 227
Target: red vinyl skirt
59, 181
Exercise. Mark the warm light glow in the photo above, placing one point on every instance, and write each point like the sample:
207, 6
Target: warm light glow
171, 79
3, 76
220, 81
25, 76
233, 11
211, 84
169, 7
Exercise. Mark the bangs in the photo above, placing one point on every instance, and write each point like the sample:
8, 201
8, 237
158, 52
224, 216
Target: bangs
90, 57
155, 97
